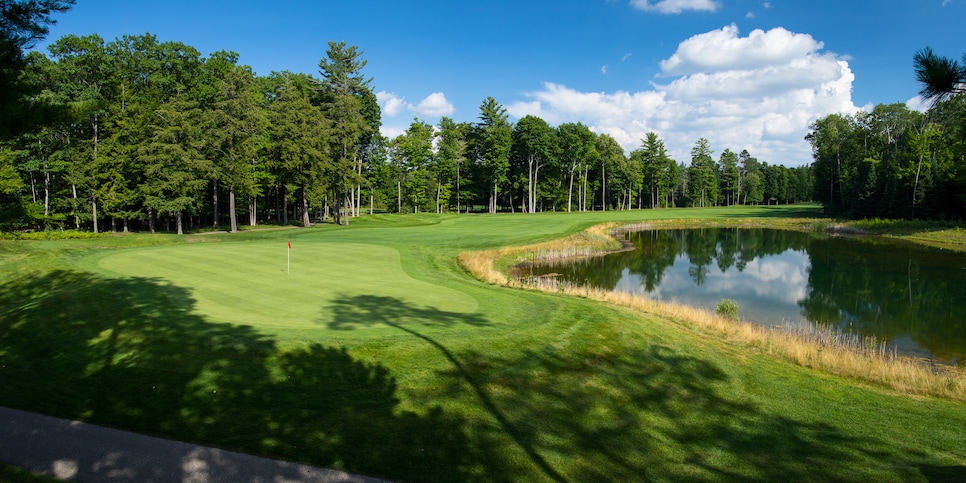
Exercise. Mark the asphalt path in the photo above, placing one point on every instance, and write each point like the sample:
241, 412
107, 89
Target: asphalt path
75, 451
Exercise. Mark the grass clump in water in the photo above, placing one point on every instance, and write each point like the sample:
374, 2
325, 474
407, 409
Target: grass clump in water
727, 308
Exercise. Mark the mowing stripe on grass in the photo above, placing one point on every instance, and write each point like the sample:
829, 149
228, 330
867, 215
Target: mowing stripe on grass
247, 283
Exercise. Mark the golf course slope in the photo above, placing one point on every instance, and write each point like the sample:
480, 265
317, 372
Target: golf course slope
368, 349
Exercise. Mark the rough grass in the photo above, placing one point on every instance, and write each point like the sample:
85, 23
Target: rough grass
381, 368
829, 350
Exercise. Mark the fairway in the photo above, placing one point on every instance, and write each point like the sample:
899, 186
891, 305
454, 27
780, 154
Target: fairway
250, 283
381, 356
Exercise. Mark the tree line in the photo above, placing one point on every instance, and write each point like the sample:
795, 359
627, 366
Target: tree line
138, 130
530, 166
894, 162
142, 134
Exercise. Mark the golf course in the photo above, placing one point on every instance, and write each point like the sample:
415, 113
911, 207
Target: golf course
369, 348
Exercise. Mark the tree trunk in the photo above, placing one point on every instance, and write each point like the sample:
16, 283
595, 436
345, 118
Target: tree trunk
284, 206
305, 208
177, 222
603, 187
73, 188
46, 191
570, 190
347, 202
94, 212
252, 210
493, 195
214, 204
231, 209
915, 187
533, 190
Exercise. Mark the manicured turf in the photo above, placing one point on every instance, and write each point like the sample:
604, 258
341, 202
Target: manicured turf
379, 355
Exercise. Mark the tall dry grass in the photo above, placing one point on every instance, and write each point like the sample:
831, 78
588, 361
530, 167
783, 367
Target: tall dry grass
825, 349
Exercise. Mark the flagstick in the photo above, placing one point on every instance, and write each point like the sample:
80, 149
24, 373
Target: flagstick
289, 260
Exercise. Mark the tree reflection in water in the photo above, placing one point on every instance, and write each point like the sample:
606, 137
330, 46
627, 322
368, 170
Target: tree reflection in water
910, 295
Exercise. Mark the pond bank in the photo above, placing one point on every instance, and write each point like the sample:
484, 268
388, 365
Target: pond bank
856, 359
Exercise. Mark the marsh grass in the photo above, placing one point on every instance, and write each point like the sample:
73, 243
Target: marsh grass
823, 348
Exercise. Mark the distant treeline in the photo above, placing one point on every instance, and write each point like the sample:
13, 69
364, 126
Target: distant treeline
892, 162
141, 134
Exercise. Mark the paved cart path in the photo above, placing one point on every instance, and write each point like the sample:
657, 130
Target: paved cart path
76, 451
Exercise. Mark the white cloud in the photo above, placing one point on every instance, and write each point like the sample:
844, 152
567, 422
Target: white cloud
724, 49
434, 105
675, 6
918, 104
390, 132
759, 93
390, 103
603, 70
626, 56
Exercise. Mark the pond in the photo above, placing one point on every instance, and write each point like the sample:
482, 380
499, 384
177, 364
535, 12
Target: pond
911, 296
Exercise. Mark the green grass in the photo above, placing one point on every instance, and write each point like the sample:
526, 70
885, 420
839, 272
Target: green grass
379, 355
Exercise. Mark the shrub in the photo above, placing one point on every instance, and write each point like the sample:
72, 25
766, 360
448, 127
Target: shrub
727, 308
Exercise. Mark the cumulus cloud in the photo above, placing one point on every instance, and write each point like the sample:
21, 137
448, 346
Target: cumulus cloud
675, 6
918, 104
390, 103
434, 105
758, 92
724, 49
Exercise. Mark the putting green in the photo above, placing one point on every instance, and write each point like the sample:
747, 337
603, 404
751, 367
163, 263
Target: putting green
249, 283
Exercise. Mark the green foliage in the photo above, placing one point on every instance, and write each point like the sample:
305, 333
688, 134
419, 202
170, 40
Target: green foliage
460, 380
727, 308
50, 234
894, 162
493, 140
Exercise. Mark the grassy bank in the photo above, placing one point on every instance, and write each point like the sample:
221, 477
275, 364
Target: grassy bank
823, 349
380, 355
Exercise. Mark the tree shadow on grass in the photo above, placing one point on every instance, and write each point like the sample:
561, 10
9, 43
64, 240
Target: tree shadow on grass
652, 413
625, 411
133, 353
352, 312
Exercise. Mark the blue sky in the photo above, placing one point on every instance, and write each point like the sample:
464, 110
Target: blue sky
745, 74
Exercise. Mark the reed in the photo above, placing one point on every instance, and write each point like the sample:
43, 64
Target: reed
833, 351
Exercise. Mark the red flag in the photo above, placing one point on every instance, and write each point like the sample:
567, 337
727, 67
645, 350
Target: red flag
290, 244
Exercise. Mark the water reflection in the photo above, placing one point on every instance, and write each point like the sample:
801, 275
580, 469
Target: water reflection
912, 296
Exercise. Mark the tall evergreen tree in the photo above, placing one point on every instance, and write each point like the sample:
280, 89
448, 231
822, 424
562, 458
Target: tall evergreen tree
346, 100
494, 139
235, 122
299, 141
702, 175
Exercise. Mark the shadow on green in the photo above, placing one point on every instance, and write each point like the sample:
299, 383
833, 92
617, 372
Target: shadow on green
631, 412
134, 354
131, 353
